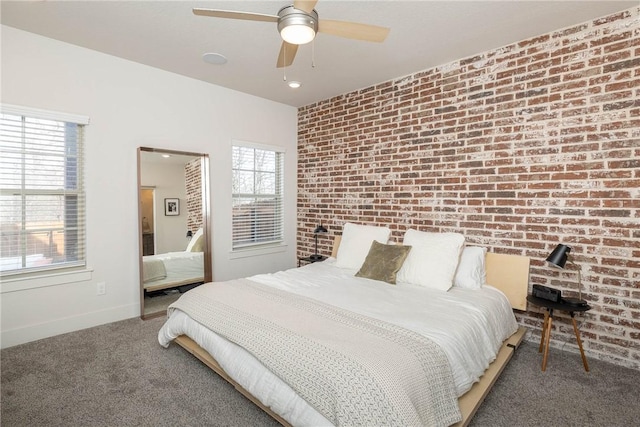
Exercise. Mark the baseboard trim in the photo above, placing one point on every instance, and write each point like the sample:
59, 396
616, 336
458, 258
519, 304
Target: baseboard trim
64, 325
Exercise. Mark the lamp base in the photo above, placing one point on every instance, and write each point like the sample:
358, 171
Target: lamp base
574, 302
316, 257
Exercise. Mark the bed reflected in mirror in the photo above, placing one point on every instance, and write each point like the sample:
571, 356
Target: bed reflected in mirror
173, 220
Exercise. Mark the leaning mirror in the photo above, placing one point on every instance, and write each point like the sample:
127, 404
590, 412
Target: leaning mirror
173, 222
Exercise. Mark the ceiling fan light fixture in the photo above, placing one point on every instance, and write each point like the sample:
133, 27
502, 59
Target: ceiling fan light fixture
296, 26
297, 34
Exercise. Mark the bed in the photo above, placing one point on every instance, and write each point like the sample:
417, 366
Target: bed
173, 269
469, 350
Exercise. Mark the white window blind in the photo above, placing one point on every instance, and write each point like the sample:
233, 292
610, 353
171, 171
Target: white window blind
257, 196
42, 201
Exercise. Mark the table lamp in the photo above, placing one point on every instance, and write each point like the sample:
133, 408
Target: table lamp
558, 258
319, 230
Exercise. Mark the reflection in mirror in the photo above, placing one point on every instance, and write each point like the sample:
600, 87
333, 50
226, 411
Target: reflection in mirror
173, 218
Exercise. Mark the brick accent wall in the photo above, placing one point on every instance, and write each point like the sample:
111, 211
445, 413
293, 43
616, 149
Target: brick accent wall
519, 148
193, 186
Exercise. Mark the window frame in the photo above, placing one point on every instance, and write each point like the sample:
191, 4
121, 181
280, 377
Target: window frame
78, 192
237, 249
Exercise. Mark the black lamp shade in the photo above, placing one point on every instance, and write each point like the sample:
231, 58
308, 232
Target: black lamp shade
558, 257
320, 229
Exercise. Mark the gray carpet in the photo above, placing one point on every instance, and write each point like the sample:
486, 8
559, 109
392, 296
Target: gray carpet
564, 395
118, 375
160, 303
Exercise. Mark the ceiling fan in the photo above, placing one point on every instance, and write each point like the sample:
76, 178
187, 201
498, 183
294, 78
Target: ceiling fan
298, 24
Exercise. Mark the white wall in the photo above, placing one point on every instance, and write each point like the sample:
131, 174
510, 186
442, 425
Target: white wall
168, 181
133, 105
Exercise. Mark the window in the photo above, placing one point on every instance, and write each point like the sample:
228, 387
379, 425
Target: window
257, 196
41, 190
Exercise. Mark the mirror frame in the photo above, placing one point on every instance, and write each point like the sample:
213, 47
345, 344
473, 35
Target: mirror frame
206, 220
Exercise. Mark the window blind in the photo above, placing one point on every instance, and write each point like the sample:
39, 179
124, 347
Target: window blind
42, 201
257, 196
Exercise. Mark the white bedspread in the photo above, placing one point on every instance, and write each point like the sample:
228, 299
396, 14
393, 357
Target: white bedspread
179, 266
469, 325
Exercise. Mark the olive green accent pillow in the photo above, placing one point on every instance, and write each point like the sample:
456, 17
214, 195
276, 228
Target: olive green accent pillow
383, 262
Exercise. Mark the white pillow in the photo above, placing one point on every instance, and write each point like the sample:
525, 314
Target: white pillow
433, 259
471, 273
356, 241
193, 240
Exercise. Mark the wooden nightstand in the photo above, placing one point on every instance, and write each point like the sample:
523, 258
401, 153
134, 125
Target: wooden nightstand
309, 260
546, 326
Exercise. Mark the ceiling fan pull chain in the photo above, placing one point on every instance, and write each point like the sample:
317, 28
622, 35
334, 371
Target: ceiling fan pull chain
284, 58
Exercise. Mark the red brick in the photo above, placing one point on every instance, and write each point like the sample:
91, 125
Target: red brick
545, 150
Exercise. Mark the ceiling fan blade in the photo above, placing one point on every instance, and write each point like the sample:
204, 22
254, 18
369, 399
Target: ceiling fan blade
305, 5
353, 30
232, 14
287, 54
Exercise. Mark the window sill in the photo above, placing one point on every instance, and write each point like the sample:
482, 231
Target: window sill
256, 251
44, 280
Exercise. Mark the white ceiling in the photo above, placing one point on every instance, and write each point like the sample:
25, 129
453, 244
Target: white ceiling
424, 34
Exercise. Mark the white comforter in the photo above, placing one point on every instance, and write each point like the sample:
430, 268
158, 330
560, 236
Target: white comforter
469, 325
179, 266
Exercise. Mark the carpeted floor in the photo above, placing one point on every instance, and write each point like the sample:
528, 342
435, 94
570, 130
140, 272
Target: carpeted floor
160, 302
118, 375
564, 395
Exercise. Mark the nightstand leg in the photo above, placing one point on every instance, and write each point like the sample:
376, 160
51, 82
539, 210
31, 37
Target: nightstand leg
544, 329
546, 345
575, 329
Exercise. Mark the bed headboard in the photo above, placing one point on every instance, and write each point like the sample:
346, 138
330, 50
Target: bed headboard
336, 245
509, 273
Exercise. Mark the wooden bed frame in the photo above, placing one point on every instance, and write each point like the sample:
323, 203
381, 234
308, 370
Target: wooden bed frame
509, 273
190, 281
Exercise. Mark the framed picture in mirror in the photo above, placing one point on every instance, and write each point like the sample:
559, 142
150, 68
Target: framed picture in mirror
171, 207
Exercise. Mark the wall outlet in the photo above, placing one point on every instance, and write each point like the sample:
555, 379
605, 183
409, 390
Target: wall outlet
101, 288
